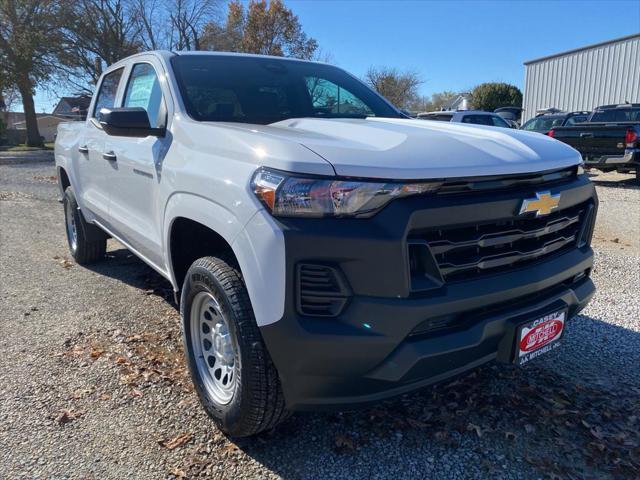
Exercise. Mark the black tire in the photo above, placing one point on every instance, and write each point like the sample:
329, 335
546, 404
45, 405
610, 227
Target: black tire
90, 242
257, 403
638, 176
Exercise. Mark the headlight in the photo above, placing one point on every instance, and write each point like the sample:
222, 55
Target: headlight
297, 196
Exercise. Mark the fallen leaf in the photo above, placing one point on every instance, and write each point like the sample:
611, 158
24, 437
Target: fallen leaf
105, 396
65, 263
176, 472
185, 402
177, 441
135, 392
67, 416
78, 394
231, 448
96, 352
476, 428
509, 435
344, 443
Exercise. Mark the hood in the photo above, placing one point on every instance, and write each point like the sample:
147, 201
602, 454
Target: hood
420, 149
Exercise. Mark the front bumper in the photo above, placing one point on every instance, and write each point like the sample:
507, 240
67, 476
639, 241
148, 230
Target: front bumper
377, 346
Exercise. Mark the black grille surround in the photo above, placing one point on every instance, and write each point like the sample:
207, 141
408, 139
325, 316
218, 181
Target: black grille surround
472, 251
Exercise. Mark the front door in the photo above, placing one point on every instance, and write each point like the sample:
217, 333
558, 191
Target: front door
135, 206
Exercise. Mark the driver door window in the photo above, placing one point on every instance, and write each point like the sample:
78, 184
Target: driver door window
143, 90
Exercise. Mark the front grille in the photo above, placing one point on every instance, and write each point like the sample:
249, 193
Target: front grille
322, 291
476, 250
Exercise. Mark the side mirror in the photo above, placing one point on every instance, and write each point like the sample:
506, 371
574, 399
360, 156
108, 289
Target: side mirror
128, 122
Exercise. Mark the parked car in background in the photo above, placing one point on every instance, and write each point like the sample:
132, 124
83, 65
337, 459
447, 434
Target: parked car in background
474, 117
511, 114
544, 123
608, 140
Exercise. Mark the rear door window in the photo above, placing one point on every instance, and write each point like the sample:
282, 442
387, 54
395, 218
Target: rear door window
617, 115
106, 96
575, 119
478, 119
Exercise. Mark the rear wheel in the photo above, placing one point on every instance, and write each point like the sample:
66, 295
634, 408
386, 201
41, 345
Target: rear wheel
86, 243
232, 371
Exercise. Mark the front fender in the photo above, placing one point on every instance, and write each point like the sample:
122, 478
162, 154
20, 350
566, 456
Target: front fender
258, 248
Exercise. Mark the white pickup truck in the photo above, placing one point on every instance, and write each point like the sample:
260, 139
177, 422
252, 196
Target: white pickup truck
325, 250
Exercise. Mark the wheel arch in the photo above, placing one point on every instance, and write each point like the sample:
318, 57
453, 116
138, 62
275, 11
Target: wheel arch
256, 245
189, 214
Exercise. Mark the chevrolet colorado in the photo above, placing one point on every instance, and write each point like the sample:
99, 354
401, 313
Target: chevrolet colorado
608, 140
325, 250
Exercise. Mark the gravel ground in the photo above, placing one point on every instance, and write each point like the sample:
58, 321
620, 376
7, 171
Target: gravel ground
93, 383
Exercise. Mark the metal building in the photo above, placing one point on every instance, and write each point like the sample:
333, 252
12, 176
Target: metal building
581, 79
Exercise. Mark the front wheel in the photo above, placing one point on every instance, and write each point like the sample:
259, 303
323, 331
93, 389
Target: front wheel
232, 371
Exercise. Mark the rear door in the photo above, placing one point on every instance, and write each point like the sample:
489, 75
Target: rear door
134, 208
93, 170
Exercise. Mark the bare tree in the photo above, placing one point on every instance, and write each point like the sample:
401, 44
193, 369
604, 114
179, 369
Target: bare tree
98, 34
152, 27
188, 18
400, 88
9, 95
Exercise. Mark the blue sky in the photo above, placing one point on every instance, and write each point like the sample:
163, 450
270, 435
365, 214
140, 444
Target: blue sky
454, 45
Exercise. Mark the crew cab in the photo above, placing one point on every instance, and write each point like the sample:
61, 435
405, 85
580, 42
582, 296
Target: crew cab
325, 250
608, 140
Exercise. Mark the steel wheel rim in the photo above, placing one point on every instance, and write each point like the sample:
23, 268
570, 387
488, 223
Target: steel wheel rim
214, 348
72, 232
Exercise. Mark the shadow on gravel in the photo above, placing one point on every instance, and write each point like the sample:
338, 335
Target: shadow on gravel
123, 265
568, 415
627, 183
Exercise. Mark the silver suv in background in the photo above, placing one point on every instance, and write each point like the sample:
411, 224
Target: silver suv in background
474, 117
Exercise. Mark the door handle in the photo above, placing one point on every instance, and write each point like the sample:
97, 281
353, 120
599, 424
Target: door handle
586, 135
83, 149
110, 156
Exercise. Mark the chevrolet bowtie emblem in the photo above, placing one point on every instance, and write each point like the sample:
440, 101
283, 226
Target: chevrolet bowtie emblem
543, 204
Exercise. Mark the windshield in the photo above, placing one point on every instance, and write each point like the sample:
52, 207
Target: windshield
265, 90
542, 124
